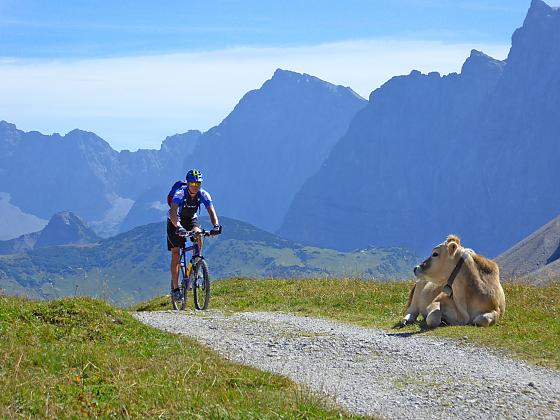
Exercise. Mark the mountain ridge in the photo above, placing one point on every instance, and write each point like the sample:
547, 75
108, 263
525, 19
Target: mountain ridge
432, 155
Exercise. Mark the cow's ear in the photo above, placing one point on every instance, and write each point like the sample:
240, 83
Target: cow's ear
452, 248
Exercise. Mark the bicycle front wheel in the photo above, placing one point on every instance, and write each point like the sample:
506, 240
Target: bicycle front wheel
182, 303
201, 285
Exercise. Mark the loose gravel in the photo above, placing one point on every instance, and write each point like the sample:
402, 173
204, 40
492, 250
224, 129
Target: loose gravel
372, 372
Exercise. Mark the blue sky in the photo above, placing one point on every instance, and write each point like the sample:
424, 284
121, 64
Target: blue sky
135, 72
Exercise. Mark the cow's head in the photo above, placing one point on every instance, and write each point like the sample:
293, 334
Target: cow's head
438, 266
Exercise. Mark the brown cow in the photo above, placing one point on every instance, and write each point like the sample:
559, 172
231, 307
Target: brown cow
456, 286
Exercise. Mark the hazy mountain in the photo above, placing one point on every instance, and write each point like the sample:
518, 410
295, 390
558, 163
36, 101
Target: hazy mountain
263, 151
134, 266
41, 175
254, 162
275, 138
46, 174
474, 153
533, 253
64, 228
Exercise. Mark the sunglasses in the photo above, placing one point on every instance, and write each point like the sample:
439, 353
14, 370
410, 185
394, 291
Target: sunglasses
195, 184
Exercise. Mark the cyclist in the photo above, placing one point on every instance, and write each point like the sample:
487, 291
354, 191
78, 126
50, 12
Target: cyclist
183, 217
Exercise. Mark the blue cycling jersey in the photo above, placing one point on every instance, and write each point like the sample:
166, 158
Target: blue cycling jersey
188, 206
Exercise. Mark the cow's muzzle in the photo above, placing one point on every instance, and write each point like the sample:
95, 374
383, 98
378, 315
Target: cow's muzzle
420, 267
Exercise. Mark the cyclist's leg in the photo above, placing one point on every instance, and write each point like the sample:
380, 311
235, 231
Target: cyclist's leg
174, 244
175, 256
193, 225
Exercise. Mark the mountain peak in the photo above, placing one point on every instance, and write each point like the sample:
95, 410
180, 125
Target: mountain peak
6, 124
479, 64
539, 13
539, 35
65, 228
297, 83
539, 8
283, 77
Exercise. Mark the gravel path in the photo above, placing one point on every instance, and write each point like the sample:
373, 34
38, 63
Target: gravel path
369, 371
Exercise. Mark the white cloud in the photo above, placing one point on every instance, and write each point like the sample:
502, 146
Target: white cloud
136, 101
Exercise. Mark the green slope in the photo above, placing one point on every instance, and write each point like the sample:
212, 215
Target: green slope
134, 266
82, 358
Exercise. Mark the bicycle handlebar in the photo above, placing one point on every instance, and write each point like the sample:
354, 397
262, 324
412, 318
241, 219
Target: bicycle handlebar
193, 233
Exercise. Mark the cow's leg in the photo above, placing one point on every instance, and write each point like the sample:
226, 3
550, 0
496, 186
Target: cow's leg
409, 318
433, 319
486, 319
459, 303
449, 313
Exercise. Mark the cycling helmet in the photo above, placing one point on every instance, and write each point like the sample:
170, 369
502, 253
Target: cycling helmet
194, 175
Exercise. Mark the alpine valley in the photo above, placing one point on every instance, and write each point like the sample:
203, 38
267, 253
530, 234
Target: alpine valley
309, 168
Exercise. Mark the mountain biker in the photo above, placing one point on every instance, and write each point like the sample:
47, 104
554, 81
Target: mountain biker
183, 217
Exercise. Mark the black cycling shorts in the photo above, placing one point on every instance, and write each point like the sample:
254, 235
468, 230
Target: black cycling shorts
174, 240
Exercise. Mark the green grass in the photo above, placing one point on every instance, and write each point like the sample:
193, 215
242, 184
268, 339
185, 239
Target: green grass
81, 357
530, 329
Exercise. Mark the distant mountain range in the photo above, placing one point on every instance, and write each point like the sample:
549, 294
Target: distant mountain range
535, 259
41, 175
475, 153
134, 266
64, 228
254, 162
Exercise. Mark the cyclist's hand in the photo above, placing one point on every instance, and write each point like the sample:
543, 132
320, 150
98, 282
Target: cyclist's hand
181, 231
216, 230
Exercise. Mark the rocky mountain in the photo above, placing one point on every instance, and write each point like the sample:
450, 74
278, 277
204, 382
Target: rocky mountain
64, 228
134, 266
474, 153
536, 253
41, 175
274, 139
263, 151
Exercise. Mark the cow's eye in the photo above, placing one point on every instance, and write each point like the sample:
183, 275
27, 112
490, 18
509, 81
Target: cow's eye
435, 254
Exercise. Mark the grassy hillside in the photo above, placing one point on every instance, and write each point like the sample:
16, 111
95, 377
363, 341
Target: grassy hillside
134, 266
529, 330
83, 358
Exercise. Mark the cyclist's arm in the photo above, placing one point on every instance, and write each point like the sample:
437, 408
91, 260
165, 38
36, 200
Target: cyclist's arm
173, 216
212, 214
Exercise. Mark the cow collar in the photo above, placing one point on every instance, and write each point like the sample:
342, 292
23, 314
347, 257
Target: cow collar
447, 289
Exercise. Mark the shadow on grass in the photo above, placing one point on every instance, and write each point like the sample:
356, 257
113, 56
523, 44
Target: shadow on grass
405, 334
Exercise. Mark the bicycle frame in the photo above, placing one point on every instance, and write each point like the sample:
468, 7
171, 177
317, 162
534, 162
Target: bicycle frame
196, 254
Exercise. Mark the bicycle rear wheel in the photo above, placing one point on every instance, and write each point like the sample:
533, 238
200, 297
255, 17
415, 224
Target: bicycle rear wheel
180, 304
201, 285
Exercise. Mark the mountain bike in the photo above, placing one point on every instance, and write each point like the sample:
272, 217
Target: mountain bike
194, 275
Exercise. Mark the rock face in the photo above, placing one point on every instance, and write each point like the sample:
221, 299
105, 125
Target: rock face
64, 228
474, 153
538, 251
